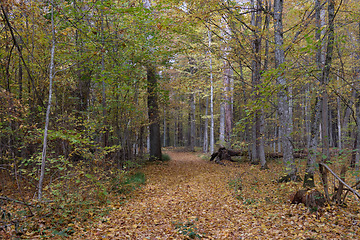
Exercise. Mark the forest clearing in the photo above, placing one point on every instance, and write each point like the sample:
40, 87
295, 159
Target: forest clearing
96, 96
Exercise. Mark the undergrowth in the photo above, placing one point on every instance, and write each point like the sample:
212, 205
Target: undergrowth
165, 157
75, 193
188, 229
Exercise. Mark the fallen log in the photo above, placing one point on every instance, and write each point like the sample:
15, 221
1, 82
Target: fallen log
280, 155
226, 154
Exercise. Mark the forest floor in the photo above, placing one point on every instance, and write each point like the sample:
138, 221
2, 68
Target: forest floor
192, 198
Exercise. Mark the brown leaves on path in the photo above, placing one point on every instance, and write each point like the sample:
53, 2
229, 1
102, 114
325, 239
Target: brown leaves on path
188, 197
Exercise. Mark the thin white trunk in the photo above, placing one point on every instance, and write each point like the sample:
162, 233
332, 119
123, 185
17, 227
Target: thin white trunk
51, 77
222, 123
102, 76
339, 122
212, 139
206, 125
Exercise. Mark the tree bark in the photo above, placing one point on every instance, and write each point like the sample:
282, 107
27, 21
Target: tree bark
311, 161
206, 125
154, 117
192, 123
324, 81
315, 118
153, 108
105, 134
283, 107
357, 156
51, 76
354, 163
212, 137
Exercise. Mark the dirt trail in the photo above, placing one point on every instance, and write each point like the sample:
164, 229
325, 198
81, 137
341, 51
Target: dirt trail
186, 189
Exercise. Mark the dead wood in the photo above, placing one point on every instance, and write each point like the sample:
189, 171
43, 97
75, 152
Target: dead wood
310, 198
16, 201
341, 180
225, 154
339, 191
280, 155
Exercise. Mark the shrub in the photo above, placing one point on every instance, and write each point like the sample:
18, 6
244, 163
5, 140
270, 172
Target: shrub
128, 183
165, 157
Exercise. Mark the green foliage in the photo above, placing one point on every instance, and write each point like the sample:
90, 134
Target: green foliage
188, 229
127, 183
165, 157
236, 186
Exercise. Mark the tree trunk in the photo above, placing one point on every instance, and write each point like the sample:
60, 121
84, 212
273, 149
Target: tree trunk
315, 118
206, 125
324, 81
357, 97
311, 161
257, 149
153, 109
51, 76
228, 106
212, 137
262, 117
192, 123
154, 117
105, 134
345, 124
222, 122
283, 107
20, 80
165, 130
357, 156
226, 118
339, 123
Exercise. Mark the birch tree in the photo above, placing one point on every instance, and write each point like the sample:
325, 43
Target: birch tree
51, 77
212, 140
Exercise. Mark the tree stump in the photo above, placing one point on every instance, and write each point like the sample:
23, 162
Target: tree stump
312, 199
224, 154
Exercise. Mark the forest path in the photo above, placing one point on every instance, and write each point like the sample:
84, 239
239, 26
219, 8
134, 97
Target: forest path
191, 198
186, 189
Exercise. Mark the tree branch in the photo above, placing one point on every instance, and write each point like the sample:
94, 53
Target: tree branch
16, 201
340, 180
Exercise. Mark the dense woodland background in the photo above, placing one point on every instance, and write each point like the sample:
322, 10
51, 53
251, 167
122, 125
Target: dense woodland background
94, 86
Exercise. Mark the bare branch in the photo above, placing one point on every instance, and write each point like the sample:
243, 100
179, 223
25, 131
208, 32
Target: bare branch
340, 180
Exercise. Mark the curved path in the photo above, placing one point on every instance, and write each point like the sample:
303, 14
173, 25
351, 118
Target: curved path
190, 197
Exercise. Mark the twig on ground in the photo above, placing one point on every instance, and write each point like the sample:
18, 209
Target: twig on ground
16, 201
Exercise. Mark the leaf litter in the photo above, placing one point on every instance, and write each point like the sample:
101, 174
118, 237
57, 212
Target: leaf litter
191, 198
